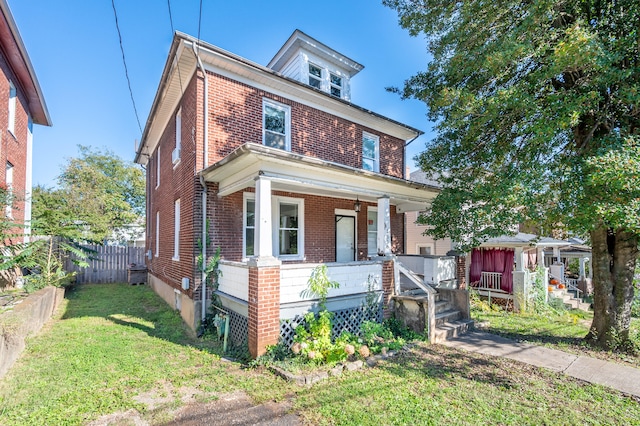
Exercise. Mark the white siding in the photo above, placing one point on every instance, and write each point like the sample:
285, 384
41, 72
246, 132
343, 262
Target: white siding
293, 69
353, 279
234, 280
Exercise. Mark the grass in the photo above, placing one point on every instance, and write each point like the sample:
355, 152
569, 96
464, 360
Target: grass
116, 348
562, 330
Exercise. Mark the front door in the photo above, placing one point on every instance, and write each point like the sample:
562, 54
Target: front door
345, 238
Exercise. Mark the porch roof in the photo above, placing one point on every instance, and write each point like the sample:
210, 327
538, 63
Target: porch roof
522, 239
293, 172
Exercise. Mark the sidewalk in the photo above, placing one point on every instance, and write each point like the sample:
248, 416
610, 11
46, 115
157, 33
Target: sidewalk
620, 377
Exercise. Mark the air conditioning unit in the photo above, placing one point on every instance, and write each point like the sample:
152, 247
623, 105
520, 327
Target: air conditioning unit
175, 155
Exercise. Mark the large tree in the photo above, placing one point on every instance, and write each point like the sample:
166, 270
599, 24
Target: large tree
97, 189
537, 111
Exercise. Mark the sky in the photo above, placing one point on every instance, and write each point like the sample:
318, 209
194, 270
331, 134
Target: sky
75, 51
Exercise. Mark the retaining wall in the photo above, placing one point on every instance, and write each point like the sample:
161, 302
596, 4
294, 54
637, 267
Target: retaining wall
24, 320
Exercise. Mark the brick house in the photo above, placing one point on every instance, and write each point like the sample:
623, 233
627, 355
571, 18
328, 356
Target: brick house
21, 105
276, 167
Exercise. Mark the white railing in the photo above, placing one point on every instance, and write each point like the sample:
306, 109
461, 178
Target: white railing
490, 280
572, 284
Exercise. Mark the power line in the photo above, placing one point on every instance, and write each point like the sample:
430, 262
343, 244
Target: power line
126, 71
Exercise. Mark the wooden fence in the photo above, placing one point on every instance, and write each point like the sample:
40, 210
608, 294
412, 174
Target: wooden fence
110, 265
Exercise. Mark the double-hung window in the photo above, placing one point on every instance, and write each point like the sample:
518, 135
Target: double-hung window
287, 227
175, 155
12, 108
276, 125
176, 230
315, 76
372, 231
336, 85
370, 152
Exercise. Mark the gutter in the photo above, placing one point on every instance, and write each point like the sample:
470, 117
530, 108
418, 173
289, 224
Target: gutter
205, 160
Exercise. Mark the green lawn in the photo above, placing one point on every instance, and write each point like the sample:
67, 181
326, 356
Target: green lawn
117, 347
562, 330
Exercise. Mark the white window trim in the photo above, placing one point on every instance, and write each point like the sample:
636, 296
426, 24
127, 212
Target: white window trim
331, 85
11, 125
157, 234
275, 225
287, 118
372, 251
376, 160
432, 246
176, 230
176, 155
158, 168
245, 197
315, 77
275, 214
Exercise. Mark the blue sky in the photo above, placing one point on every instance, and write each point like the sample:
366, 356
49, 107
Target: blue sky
74, 48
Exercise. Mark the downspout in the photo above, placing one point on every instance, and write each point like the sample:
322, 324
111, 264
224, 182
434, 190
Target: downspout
205, 160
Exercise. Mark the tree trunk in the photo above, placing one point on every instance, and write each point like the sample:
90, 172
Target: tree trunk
614, 255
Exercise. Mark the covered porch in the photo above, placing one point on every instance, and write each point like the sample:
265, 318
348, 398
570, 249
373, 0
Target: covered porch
504, 268
299, 212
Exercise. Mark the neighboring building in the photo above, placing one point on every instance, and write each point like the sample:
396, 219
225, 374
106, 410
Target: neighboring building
276, 167
21, 105
415, 240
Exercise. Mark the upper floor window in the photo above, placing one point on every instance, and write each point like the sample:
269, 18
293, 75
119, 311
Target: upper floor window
276, 125
315, 76
336, 85
12, 108
175, 155
370, 152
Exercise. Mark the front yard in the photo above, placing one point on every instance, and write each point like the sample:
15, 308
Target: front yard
118, 348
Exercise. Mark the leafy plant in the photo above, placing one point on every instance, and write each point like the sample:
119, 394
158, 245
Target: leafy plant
319, 285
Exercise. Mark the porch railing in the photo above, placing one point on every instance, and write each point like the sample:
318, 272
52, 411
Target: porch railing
490, 280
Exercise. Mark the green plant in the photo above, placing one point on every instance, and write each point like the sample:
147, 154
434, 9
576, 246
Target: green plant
371, 303
319, 285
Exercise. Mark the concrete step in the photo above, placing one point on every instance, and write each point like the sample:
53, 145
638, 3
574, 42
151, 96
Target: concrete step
447, 316
442, 306
450, 330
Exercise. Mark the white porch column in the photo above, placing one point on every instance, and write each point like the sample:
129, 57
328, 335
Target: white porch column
264, 240
582, 268
519, 258
384, 226
556, 254
540, 256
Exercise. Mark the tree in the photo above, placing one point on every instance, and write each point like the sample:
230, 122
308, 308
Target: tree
102, 191
537, 111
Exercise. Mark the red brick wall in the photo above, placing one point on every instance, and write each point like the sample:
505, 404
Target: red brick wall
236, 118
177, 182
388, 286
264, 309
13, 146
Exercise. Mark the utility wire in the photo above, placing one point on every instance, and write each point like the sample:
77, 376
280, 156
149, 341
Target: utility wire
126, 71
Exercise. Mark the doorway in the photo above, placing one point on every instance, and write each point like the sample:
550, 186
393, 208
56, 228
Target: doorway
345, 238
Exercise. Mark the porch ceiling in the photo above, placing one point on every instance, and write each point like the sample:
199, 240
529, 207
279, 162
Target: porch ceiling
307, 175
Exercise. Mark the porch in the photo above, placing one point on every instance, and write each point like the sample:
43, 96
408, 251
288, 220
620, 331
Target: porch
299, 212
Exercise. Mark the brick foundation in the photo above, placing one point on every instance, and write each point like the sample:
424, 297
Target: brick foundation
388, 286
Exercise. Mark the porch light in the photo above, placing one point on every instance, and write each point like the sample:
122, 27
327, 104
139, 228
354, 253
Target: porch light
357, 205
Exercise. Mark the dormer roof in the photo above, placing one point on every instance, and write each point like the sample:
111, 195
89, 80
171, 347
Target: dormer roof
301, 41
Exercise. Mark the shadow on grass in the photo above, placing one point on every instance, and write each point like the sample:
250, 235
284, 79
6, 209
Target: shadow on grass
138, 307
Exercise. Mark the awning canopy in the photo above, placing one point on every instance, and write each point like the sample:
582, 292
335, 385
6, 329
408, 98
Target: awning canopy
522, 239
292, 172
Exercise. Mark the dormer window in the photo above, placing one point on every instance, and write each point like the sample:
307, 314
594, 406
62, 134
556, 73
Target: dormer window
315, 76
336, 85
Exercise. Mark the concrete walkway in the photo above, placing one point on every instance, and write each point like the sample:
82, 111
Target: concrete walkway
620, 377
